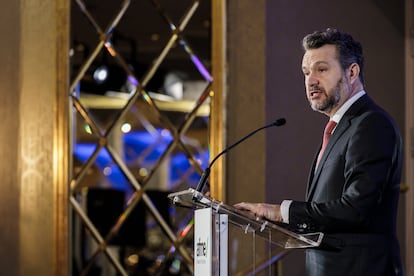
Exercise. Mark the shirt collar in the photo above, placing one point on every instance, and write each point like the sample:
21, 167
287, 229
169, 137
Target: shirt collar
341, 111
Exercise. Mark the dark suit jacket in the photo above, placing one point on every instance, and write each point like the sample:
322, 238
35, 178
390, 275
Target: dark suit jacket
353, 197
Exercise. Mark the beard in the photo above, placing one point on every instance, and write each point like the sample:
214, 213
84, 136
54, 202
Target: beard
332, 99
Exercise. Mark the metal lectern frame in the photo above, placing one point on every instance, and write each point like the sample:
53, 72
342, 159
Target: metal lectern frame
222, 214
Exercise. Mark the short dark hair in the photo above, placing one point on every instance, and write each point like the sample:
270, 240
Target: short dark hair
349, 50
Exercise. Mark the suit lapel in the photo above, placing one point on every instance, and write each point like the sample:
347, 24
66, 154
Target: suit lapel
312, 175
315, 174
343, 125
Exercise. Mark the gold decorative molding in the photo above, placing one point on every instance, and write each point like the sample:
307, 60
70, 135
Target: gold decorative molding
404, 188
217, 120
61, 143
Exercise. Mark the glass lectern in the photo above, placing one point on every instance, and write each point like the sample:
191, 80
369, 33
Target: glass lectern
211, 231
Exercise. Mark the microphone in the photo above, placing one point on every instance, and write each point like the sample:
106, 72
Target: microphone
204, 177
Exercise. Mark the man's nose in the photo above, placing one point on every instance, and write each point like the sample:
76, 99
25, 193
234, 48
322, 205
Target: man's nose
312, 79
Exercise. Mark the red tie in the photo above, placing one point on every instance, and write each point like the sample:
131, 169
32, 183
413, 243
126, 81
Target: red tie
326, 136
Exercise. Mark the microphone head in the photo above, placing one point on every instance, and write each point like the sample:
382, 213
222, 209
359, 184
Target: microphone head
279, 122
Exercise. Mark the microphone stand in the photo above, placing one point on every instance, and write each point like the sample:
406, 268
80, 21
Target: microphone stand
204, 177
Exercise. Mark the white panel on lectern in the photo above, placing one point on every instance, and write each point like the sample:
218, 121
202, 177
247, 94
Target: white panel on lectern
203, 242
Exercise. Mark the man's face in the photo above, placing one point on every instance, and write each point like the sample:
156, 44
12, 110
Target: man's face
327, 87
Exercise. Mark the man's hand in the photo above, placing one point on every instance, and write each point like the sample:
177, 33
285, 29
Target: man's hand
262, 210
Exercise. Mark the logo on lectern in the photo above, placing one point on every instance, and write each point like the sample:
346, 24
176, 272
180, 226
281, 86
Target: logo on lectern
202, 248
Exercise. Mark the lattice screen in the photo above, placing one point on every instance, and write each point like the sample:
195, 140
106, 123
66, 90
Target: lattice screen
140, 84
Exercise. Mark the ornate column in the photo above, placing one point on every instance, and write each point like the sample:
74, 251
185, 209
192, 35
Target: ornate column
34, 137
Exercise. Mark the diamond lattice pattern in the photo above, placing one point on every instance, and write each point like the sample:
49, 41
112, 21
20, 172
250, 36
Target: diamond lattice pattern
140, 84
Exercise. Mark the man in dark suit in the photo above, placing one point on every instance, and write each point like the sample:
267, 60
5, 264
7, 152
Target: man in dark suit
353, 188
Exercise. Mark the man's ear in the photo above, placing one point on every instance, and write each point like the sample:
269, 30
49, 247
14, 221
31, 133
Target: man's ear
353, 72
